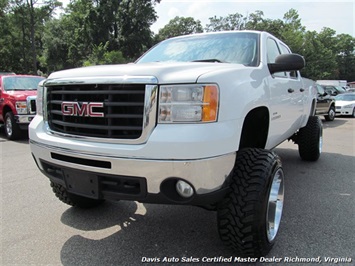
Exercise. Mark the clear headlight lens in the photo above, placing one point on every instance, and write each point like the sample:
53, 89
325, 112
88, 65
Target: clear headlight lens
21, 108
188, 103
348, 106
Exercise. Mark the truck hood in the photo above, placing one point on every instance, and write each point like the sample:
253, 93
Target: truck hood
163, 72
21, 95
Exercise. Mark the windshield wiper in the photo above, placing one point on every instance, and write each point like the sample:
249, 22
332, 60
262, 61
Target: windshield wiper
212, 60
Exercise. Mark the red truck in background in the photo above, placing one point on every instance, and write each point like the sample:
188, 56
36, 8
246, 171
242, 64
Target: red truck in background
17, 102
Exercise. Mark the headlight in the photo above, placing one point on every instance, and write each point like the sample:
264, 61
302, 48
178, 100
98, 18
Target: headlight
21, 108
39, 99
188, 103
348, 106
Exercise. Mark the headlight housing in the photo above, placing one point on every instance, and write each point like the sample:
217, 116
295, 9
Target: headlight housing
190, 103
21, 108
348, 106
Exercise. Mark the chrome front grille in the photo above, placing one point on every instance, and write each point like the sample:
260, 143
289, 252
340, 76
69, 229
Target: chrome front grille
121, 108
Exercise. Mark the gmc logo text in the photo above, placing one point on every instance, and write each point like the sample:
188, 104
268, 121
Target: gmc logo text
83, 109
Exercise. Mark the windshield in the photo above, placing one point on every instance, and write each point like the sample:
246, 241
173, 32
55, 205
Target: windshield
320, 89
21, 83
340, 89
345, 97
237, 47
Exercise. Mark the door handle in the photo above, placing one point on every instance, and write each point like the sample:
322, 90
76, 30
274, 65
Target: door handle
290, 90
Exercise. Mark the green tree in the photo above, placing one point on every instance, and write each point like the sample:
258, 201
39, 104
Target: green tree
293, 32
320, 62
57, 38
23, 23
6, 38
89, 25
179, 26
255, 21
345, 56
134, 20
231, 22
100, 56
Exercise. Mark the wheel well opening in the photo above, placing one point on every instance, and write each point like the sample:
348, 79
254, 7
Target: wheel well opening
255, 129
5, 110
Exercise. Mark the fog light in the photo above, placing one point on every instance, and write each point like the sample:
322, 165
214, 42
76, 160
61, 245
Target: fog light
184, 189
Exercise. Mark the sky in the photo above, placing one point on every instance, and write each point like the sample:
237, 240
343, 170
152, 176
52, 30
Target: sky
315, 15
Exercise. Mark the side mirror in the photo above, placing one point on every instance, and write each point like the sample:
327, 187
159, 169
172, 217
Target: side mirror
287, 62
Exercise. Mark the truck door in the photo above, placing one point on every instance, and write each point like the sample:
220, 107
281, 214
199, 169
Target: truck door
299, 98
286, 103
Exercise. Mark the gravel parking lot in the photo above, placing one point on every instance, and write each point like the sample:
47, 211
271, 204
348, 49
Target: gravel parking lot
318, 220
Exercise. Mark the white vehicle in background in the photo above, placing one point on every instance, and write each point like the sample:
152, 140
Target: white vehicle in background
345, 104
324, 82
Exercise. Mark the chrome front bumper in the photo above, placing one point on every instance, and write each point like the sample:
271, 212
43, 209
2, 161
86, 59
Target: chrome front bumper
24, 119
205, 175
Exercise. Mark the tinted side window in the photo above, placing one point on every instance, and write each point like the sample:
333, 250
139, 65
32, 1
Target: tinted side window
272, 52
285, 50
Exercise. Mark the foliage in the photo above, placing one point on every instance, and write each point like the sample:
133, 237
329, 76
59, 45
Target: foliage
90, 32
100, 56
179, 26
231, 22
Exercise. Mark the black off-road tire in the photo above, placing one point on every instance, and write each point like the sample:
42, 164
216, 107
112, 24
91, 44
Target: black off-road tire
73, 200
310, 139
242, 216
331, 114
12, 129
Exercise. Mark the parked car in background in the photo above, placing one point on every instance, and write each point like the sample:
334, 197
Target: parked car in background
325, 104
334, 90
345, 104
17, 103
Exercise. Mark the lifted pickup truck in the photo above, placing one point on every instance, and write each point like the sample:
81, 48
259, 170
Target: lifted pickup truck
191, 122
17, 102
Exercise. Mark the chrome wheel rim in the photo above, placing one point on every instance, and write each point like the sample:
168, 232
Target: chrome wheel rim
8, 126
331, 114
320, 141
275, 205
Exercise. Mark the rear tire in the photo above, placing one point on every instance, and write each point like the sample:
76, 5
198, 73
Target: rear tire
310, 139
250, 214
73, 200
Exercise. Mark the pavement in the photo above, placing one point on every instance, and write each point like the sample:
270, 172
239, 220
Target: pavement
318, 220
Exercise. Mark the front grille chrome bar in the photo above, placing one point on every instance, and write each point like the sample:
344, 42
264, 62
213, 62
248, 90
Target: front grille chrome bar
149, 106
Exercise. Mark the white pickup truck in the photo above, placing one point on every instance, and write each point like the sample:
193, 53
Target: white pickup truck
191, 122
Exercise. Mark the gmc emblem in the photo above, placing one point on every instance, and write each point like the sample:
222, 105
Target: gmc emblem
85, 109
